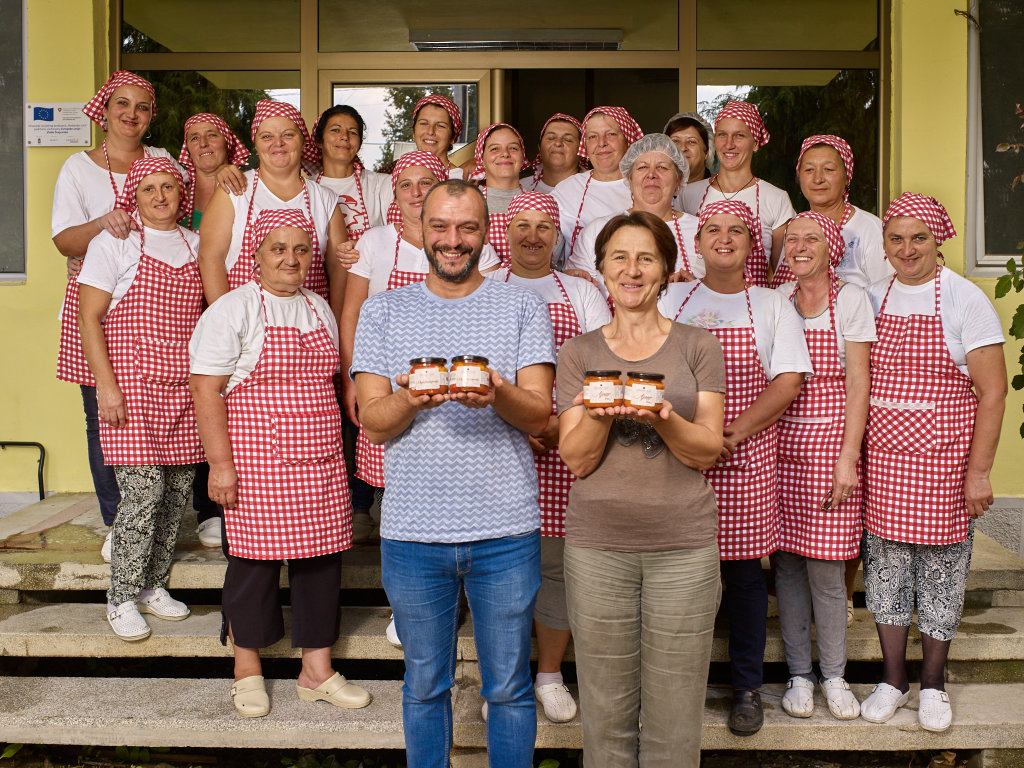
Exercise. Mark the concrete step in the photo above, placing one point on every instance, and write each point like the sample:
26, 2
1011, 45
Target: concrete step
172, 712
81, 630
54, 545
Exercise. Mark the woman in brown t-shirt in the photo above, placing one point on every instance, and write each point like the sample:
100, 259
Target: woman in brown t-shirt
641, 555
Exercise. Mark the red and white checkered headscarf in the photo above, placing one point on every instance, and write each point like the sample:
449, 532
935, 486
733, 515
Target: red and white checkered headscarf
96, 105
427, 160
533, 201
538, 164
478, 152
447, 105
925, 208
237, 153
266, 108
273, 218
138, 171
833, 235
749, 115
839, 145
629, 127
736, 208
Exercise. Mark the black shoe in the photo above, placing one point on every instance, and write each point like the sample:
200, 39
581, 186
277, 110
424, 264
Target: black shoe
746, 716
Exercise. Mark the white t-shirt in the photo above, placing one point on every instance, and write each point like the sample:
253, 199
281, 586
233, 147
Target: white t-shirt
455, 173
377, 257
538, 186
584, 255
778, 329
969, 320
604, 198
83, 192
111, 263
322, 202
864, 262
765, 200
229, 337
591, 309
377, 195
855, 319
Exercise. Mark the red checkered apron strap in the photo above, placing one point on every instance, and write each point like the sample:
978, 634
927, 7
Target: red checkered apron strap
680, 241
578, 226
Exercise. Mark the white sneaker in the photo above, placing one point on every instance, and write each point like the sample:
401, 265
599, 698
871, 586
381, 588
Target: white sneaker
127, 622
798, 700
558, 704
209, 532
391, 633
105, 548
840, 699
933, 710
883, 702
162, 605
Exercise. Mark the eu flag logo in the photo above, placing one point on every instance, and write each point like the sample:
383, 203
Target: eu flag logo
42, 113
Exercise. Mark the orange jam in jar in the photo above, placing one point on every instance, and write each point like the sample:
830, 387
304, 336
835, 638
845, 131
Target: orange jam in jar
428, 376
602, 389
469, 373
644, 390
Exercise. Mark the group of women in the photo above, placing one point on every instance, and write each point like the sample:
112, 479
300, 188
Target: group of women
830, 391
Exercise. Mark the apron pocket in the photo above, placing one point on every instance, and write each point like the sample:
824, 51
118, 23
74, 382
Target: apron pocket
161, 361
306, 438
901, 430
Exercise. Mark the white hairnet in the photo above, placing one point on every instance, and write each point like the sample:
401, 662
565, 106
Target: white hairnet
654, 142
709, 135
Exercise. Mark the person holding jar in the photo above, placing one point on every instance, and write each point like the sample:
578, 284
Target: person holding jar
654, 170
607, 134
363, 196
556, 158
140, 300
820, 466
739, 133
938, 391
83, 207
574, 306
825, 170
765, 362
642, 579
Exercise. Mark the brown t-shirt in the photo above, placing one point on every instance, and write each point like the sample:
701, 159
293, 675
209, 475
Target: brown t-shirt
631, 503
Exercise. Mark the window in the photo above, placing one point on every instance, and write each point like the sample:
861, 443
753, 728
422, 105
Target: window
12, 149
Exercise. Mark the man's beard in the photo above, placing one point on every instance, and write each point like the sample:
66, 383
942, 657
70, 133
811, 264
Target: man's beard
463, 274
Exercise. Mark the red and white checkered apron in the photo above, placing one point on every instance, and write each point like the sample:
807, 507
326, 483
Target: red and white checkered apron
783, 274
285, 429
747, 485
810, 438
578, 226
147, 336
360, 216
369, 456
553, 477
244, 268
920, 426
755, 272
497, 237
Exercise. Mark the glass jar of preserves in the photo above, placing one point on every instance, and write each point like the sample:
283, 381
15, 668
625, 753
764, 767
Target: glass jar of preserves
428, 376
602, 389
644, 390
469, 373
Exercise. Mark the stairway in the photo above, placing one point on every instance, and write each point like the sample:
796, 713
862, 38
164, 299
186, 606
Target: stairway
52, 607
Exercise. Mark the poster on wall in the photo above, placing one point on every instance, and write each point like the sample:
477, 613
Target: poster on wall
57, 124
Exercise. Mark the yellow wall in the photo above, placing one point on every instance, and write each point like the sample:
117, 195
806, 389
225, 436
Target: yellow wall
65, 63
61, 66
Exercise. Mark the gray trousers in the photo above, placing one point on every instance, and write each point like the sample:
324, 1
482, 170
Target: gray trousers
802, 585
642, 624
153, 499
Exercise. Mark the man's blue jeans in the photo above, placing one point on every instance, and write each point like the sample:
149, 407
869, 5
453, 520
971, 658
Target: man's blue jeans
424, 583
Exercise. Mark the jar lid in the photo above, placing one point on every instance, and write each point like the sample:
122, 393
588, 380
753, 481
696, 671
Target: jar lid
617, 374
470, 359
646, 376
427, 361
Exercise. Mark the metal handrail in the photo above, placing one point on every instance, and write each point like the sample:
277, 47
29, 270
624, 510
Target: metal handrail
42, 458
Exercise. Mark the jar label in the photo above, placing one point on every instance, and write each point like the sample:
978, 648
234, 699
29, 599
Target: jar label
602, 392
469, 376
644, 395
427, 378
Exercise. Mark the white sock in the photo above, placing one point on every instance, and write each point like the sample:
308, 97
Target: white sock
546, 678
